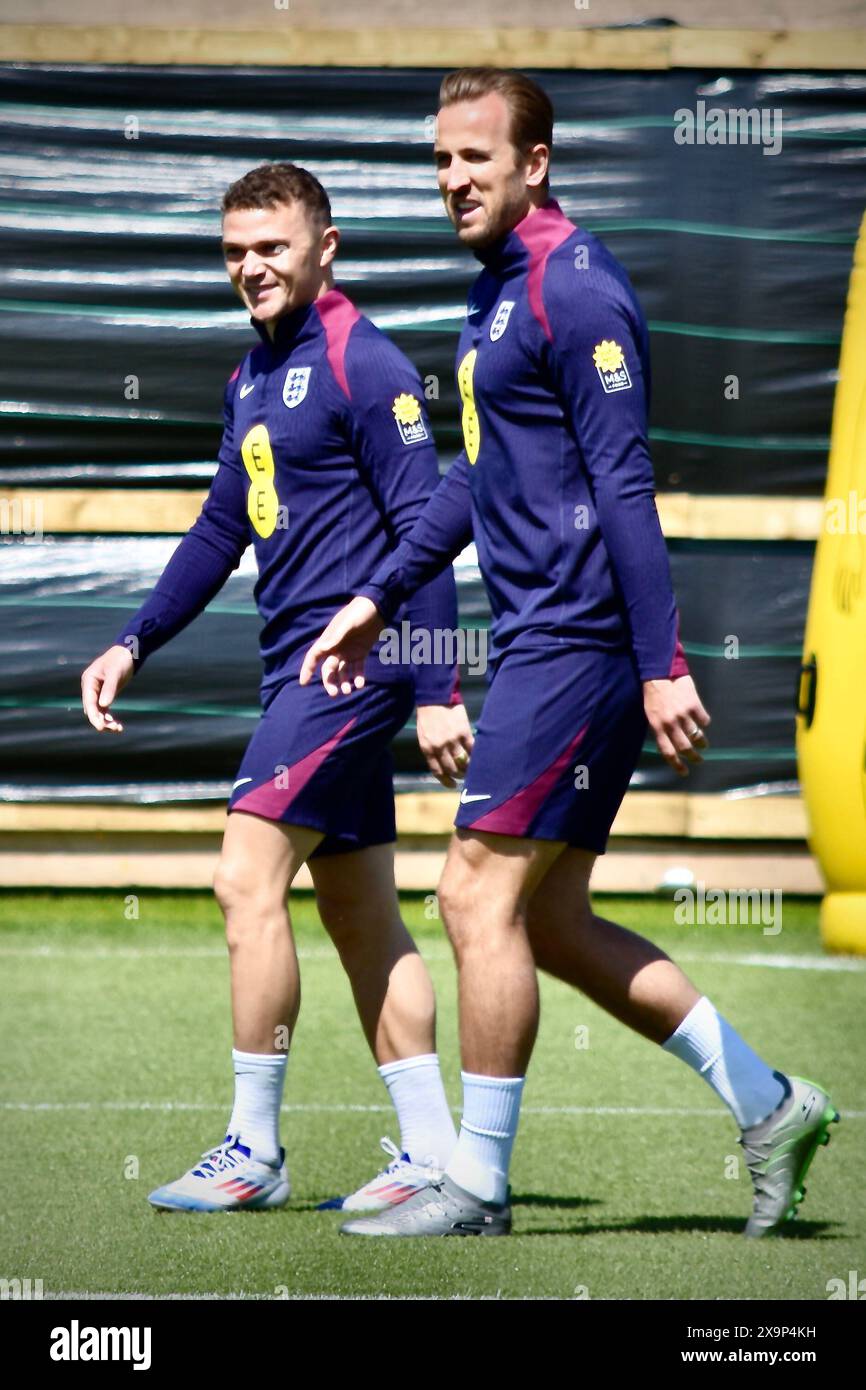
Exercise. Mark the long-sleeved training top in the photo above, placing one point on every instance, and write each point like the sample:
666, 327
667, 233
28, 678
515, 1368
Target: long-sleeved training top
326, 461
555, 482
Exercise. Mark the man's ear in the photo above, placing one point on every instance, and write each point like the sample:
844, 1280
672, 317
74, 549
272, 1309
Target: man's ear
538, 161
329, 244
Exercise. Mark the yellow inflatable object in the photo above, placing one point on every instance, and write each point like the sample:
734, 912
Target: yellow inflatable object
831, 702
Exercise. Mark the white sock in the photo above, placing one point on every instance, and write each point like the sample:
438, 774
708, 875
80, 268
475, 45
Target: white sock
491, 1110
427, 1132
709, 1045
259, 1080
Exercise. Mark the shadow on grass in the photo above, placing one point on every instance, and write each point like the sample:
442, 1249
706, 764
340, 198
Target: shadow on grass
526, 1199
538, 1199
640, 1225
674, 1225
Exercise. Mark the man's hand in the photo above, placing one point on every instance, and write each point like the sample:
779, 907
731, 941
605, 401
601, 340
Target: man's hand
101, 683
678, 719
445, 739
343, 647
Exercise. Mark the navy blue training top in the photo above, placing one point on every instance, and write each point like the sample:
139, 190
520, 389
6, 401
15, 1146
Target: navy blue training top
555, 481
327, 459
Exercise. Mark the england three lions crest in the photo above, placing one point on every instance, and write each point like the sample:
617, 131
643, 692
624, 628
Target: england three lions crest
500, 322
295, 386
410, 420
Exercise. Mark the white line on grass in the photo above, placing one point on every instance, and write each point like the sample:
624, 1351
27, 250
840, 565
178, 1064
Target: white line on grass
76, 1294
168, 1106
758, 959
776, 962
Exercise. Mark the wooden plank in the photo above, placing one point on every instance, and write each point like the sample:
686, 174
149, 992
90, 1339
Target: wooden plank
645, 872
753, 818
692, 516
100, 511
345, 14
624, 871
58, 818
167, 511
642, 814
817, 49
407, 45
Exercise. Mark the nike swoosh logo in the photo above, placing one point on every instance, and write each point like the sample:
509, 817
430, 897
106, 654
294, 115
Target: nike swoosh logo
484, 797
240, 782
245, 391
472, 309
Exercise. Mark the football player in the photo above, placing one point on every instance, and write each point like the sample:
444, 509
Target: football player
556, 486
326, 461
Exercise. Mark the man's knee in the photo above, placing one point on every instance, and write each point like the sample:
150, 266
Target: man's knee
552, 919
453, 896
467, 904
244, 891
344, 918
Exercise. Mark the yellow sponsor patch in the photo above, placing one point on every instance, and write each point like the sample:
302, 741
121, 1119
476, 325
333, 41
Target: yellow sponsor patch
471, 425
262, 502
609, 362
409, 417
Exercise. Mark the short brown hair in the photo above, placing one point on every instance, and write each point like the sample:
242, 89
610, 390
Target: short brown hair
530, 107
269, 185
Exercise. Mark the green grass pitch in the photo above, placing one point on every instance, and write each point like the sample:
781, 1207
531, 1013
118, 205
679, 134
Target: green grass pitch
117, 1074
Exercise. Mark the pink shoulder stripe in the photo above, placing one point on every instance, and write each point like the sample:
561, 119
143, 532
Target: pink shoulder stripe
339, 316
541, 233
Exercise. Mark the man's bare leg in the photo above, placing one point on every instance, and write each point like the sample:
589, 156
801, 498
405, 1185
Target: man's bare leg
642, 987
259, 860
619, 970
258, 863
358, 905
486, 886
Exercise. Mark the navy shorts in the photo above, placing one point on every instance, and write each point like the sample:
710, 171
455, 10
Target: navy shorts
559, 737
326, 763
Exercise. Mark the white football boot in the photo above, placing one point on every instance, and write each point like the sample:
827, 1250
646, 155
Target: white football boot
400, 1180
226, 1178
